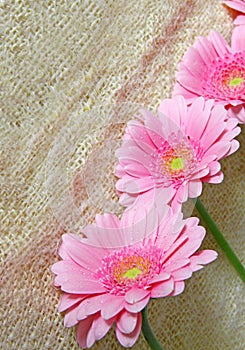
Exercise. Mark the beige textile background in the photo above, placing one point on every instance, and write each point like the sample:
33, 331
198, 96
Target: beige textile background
72, 73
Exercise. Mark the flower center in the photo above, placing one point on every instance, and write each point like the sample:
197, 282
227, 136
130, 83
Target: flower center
236, 81
132, 273
129, 267
175, 161
224, 79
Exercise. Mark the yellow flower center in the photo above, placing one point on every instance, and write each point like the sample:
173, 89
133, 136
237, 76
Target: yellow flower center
132, 273
173, 160
131, 267
236, 81
177, 163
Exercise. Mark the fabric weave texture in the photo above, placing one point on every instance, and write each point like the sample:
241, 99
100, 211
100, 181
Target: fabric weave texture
72, 74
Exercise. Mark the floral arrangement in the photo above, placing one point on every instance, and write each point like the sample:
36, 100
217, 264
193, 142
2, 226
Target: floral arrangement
109, 274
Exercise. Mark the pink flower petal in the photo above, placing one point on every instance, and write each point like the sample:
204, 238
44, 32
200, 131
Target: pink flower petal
70, 318
169, 231
69, 300
141, 221
90, 255
126, 200
199, 173
135, 294
175, 109
195, 126
90, 305
154, 128
64, 266
220, 149
133, 223
63, 253
137, 307
91, 336
137, 132
240, 20
97, 330
238, 5
219, 43
198, 63
179, 287
70, 284
119, 171
101, 327
202, 258
175, 265
160, 290
215, 126
127, 322
234, 146
128, 340
102, 239
182, 274
107, 220
214, 179
82, 331
147, 136
192, 222
103, 236
194, 189
179, 90
185, 246
238, 38
136, 170
214, 168
206, 49
168, 127
74, 279
189, 82
112, 306
163, 276
134, 185
237, 112
212, 137
232, 133
127, 154
182, 193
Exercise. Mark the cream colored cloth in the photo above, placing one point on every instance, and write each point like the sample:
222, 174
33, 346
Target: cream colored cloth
72, 73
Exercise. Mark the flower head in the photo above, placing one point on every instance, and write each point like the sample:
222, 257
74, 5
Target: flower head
214, 70
110, 276
175, 152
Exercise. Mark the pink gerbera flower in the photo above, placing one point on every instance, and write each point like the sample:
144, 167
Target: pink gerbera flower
110, 276
176, 151
214, 70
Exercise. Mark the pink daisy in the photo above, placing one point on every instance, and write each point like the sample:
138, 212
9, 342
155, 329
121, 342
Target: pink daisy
175, 152
214, 70
110, 276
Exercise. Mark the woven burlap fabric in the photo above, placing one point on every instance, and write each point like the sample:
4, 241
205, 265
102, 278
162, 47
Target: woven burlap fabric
72, 73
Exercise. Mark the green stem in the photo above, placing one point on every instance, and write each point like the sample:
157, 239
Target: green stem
220, 239
148, 333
